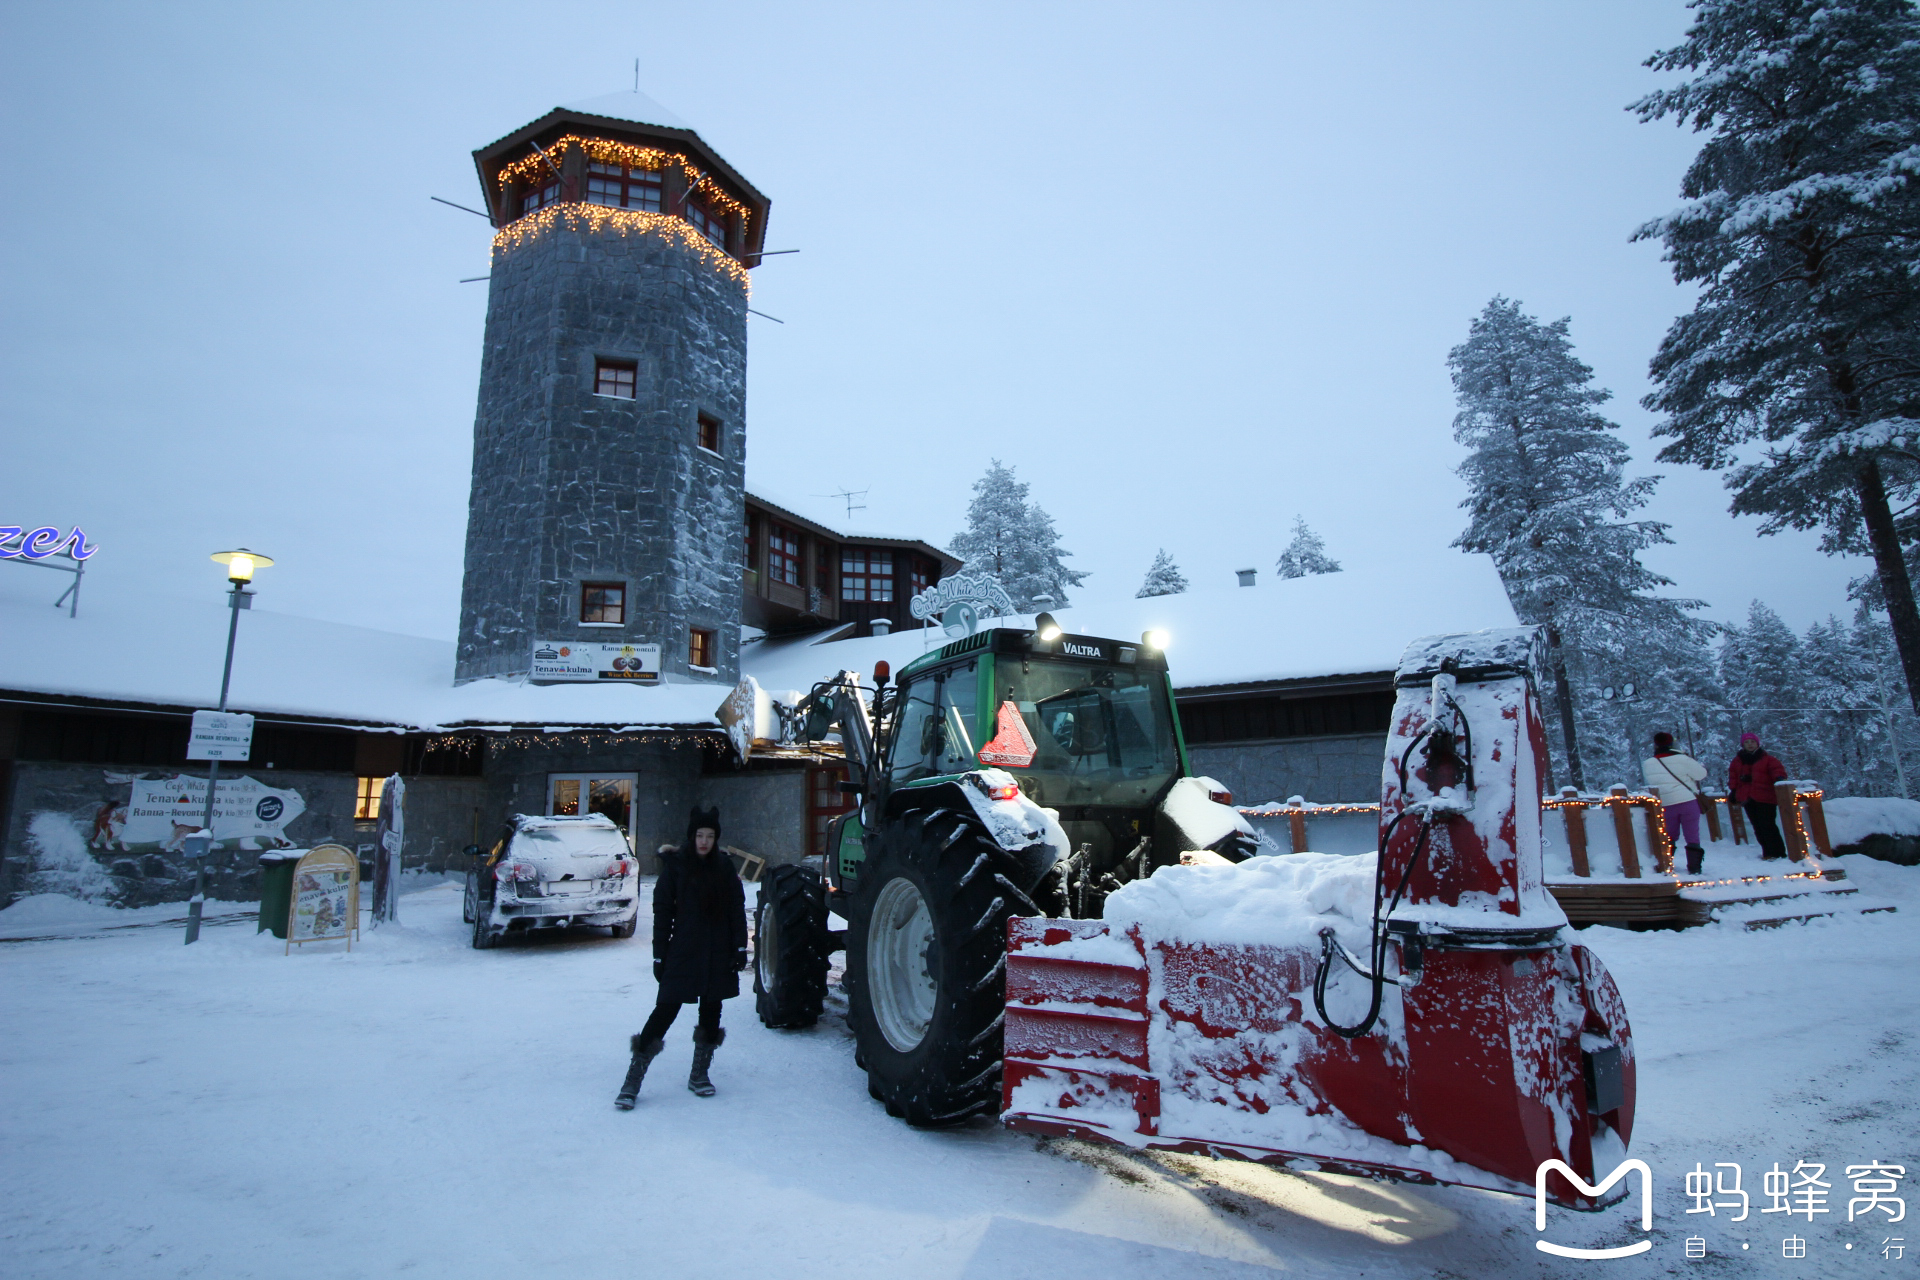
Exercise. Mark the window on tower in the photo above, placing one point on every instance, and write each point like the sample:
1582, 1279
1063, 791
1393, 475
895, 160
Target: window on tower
700, 648
624, 187
866, 575
709, 432
708, 222
603, 603
615, 378
541, 196
783, 554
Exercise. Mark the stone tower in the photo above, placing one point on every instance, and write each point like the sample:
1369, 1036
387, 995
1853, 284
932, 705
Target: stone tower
609, 444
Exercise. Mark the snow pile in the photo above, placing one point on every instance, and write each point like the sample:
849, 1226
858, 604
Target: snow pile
1282, 902
1017, 822
1206, 822
1852, 819
62, 864
54, 908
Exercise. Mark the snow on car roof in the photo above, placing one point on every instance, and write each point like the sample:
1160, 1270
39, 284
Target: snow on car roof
533, 821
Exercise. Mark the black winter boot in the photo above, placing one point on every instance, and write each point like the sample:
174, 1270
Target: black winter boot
702, 1059
644, 1052
1695, 856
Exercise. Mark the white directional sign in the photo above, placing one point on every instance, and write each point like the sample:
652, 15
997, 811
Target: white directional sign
220, 735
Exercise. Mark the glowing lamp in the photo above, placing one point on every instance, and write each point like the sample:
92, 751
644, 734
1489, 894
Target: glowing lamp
1045, 628
241, 563
1156, 639
882, 672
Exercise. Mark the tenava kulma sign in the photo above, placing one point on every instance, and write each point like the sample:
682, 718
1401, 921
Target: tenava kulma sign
568, 660
220, 735
161, 811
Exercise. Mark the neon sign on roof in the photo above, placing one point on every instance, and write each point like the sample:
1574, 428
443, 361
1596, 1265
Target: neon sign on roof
20, 543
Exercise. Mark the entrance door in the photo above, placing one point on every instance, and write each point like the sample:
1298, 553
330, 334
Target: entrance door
608, 793
825, 801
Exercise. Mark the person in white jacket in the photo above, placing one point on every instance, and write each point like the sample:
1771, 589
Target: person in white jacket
1677, 777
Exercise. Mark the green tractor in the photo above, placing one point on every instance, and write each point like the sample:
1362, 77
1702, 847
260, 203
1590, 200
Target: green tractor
1010, 773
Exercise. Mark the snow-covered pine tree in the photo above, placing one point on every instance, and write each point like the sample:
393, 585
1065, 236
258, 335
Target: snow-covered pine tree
1799, 227
1013, 541
1306, 554
1163, 578
1547, 497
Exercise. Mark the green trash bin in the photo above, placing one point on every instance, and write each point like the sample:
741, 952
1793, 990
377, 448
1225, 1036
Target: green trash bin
276, 889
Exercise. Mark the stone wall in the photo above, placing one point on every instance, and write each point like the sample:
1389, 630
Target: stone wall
669, 784
570, 486
1335, 770
761, 811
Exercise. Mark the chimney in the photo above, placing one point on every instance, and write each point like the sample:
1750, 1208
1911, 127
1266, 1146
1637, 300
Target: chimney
1246, 576
881, 626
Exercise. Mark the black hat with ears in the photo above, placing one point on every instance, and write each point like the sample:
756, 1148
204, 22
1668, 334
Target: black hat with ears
708, 818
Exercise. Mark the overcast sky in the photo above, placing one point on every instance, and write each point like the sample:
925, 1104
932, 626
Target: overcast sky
1192, 269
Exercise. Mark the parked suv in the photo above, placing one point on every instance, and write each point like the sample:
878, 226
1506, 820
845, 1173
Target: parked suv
549, 873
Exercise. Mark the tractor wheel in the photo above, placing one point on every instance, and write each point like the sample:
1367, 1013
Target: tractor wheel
790, 947
925, 980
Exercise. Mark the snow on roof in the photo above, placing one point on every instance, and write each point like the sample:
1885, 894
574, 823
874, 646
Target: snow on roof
630, 105
167, 652
1358, 622
821, 516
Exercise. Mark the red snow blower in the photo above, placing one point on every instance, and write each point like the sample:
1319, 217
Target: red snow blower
1455, 1034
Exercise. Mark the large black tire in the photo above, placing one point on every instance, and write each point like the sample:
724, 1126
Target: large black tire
790, 947
926, 948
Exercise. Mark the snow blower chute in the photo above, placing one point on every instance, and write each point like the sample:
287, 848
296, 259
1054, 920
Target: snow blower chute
1423, 1015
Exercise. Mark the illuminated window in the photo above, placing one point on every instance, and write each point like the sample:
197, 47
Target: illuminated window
623, 188
603, 602
540, 197
783, 554
700, 648
708, 223
709, 433
366, 801
866, 575
615, 378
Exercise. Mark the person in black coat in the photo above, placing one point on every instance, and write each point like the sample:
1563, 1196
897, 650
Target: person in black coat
699, 949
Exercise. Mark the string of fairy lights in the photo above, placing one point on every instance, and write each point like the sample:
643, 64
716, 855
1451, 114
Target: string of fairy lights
596, 217
607, 151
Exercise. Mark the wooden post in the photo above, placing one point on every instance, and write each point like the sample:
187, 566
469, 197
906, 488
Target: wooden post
1737, 817
1817, 820
1623, 832
1786, 798
1711, 805
1657, 836
1576, 815
1297, 826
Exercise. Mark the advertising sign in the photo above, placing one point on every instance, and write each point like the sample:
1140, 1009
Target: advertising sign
220, 735
326, 896
556, 660
161, 811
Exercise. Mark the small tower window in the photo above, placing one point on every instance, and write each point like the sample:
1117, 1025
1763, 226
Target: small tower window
709, 433
700, 652
783, 554
540, 197
615, 378
603, 602
708, 223
621, 187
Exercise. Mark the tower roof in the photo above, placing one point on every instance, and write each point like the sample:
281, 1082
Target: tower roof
634, 106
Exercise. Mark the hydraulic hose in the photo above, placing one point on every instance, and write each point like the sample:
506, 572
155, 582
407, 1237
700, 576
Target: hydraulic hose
1377, 952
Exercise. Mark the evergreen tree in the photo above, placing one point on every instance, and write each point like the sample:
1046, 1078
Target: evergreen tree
1013, 541
1547, 497
1306, 554
1799, 226
1163, 578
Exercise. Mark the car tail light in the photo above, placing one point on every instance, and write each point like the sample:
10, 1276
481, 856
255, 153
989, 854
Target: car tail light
615, 869
516, 871
1004, 791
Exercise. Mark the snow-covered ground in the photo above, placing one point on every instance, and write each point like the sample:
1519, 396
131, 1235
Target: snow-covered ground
419, 1108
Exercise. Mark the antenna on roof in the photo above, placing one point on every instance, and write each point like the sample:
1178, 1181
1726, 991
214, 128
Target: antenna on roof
847, 496
636, 75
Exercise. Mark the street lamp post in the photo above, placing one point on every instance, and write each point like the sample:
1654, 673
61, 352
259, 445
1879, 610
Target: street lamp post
240, 566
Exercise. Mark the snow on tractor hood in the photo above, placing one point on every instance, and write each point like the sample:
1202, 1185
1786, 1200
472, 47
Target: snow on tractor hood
1016, 822
1205, 821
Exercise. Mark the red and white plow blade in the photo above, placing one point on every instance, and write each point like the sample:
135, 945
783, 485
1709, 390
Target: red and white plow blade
1187, 1018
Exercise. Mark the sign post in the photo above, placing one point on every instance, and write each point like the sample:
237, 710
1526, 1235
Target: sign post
326, 897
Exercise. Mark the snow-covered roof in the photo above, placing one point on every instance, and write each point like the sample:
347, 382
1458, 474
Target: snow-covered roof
1358, 622
818, 514
630, 105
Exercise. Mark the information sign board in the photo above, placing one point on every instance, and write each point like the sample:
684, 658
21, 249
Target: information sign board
326, 896
220, 735
556, 660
